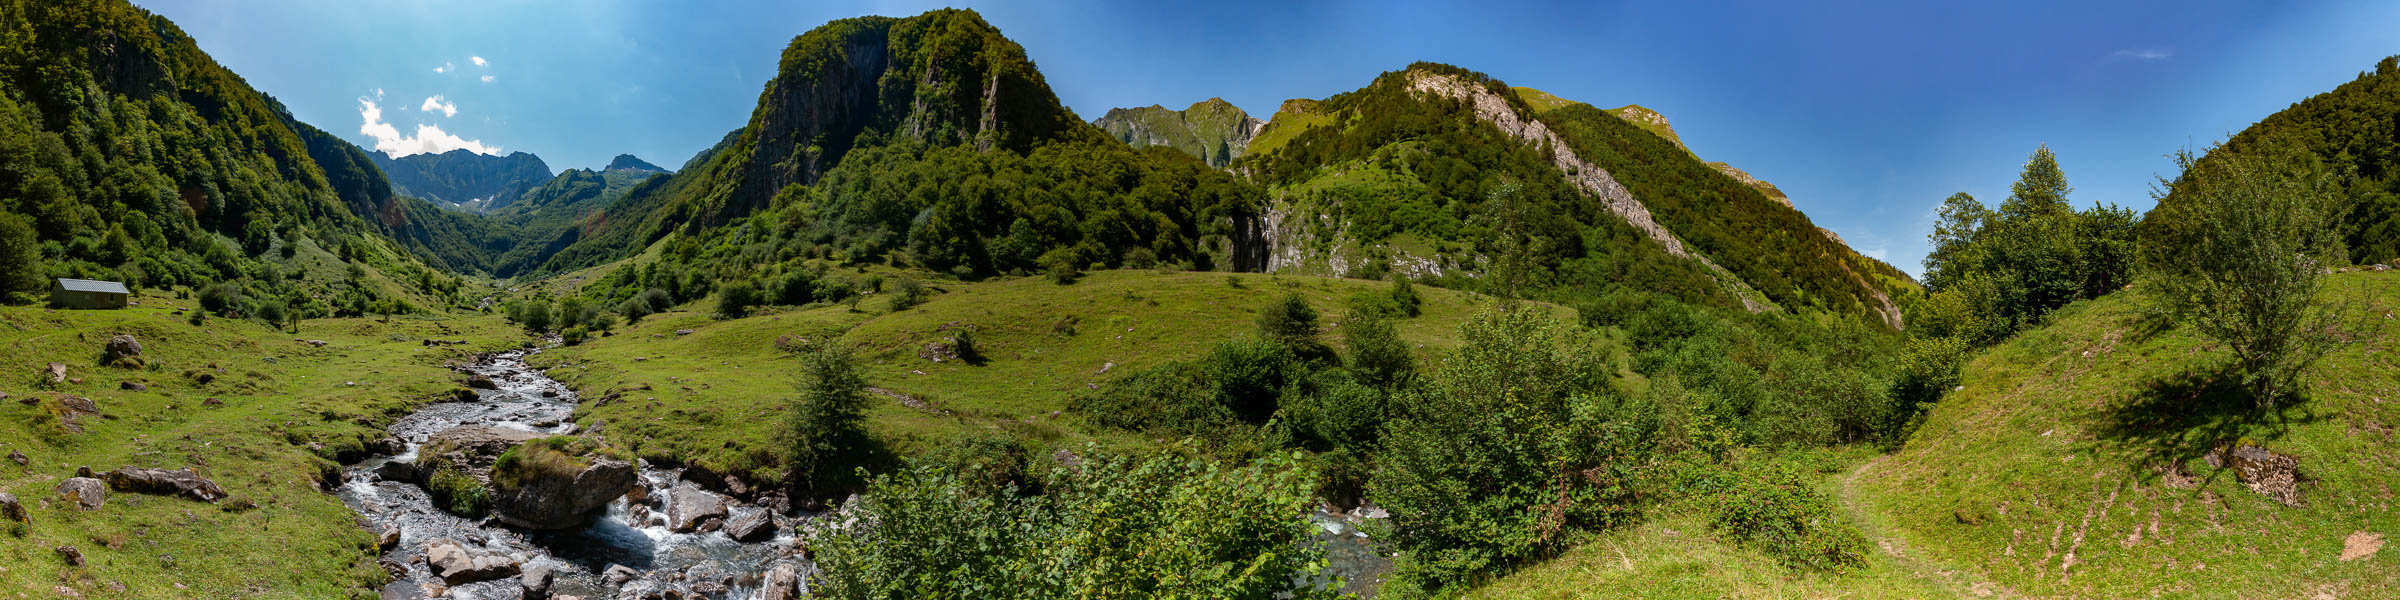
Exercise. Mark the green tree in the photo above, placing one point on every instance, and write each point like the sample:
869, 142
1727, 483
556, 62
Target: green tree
825, 427
21, 268
735, 299
1377, 354
2240, 253
1957, 227
2041, 188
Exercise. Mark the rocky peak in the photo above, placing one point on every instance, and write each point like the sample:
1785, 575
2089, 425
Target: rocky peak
1213, 130
629, 162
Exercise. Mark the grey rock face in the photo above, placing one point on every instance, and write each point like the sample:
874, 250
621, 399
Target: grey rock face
753, 526
456, 564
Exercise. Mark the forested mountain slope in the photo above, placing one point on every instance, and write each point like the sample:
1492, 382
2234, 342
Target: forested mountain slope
464, 179
2354, 129
127, 154
1437, 169
1213, 130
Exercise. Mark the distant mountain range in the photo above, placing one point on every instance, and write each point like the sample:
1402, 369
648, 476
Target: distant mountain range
1213, 130
464, 179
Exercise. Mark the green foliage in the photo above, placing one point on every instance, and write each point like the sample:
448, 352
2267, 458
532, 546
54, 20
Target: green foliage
21, 269
1992, 273
734, 300
2240, 251
1774, 508
548, 458
1506, 453
1377, 354
1060, 266
534, 315
1404, 296
907, 294
455, 491
1108, 527
1250, 375
1289, 321
573, 335
2354, 130
825, 426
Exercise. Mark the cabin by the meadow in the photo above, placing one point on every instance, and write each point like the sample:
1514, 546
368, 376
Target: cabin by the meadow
86, 293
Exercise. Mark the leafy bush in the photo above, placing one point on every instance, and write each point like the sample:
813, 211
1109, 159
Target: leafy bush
735, 299
1377, 354
825, 426
1113, 526
1060, 266
1774, 509
223, 297
795, 288
1404, 295
534, 315
1178, 396
21, 268
907, 293
1250, 375
573, 336
1290, 321
1504, 454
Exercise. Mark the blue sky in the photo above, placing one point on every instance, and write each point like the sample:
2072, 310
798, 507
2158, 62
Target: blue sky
1866, 113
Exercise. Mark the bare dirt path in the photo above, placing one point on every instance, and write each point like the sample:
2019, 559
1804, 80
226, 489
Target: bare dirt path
1934, 573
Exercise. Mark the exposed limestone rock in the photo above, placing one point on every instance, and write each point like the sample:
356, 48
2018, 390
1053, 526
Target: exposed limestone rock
124, 351
11, 510
1592, 179
688, 506
753, 526
162, 482
457, 565
2271, 474
83, 492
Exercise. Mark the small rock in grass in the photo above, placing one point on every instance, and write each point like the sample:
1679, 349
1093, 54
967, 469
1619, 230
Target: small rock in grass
73, 557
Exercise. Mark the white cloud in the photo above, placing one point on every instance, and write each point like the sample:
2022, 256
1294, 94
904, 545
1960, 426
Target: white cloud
487, 79
378, 93
437, 104
445, 68
478, 60
2141, 54
428, 139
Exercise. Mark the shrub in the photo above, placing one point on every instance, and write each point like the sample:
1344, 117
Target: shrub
1505, 454
2240, 253
573, 336
963, 340
655, 300
222, 297
1404, 295
535, 316
21, 268
1139, 258
1377, 354
1178, 396
1290, 321
602, 322
795, 288
735, 299
906, 294
824, 428
835, 289
1772, 508
1250, 375
1154, 526
1060, 266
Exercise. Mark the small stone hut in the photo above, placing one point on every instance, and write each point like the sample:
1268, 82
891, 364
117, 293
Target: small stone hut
86, 293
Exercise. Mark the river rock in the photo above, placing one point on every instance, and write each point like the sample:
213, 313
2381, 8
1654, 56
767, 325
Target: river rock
688, 506
482, 382
83, 492
783, 583
10, 509
124, 351
560, 502
390, 446
457, 565
536, 581
753, 526
619, 574
397, 470
388, 537
182, 482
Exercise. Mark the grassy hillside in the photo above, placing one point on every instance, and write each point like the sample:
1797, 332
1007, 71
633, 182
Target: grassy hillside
286, 409
2072, 463
715, 392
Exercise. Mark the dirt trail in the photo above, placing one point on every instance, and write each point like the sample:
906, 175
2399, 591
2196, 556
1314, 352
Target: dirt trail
1962, 583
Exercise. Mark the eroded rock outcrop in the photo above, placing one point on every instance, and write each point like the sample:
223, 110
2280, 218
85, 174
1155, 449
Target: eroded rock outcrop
563, 500
181, 483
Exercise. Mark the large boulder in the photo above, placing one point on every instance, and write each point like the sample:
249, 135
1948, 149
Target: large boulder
546, 500
457, 564
753, 526
10, 509
782, 583
480, 440
83, 492
688, 506
124, 351
181, 482
2270, 473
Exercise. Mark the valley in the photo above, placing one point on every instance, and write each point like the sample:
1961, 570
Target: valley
918, 329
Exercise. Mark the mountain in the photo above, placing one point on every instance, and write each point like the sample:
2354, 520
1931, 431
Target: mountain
136, 157
2354, 128
464, 179
1436, 169
1213, 130
627, 162
931, 141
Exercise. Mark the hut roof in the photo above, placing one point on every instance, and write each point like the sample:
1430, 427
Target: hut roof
87, 285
